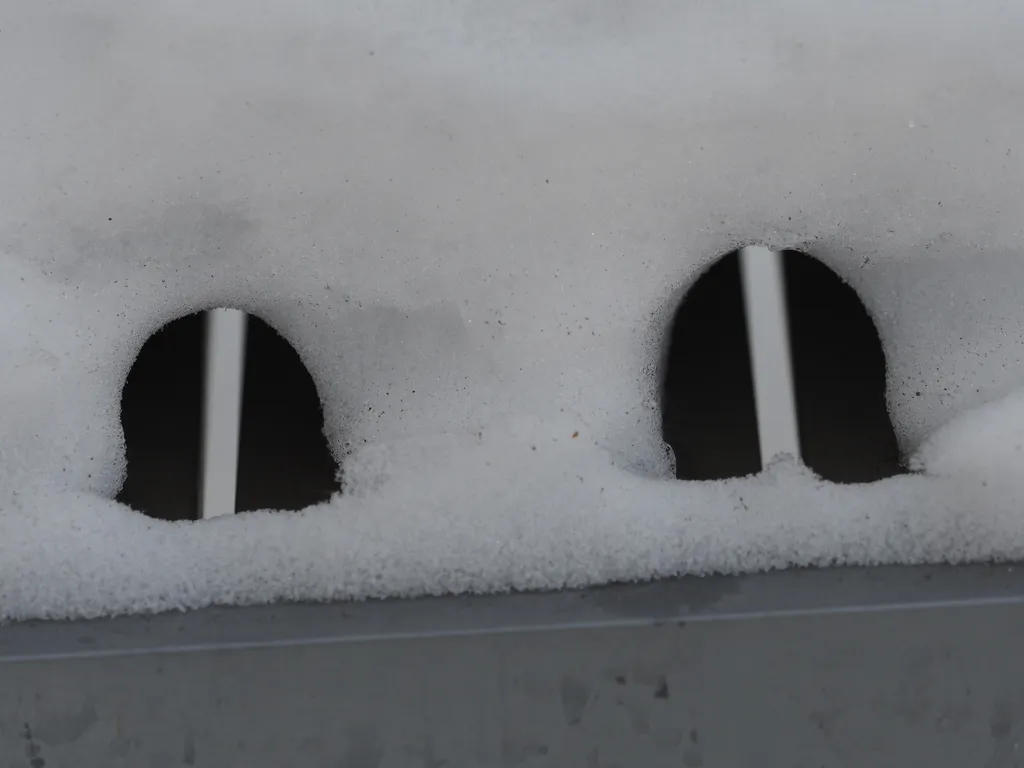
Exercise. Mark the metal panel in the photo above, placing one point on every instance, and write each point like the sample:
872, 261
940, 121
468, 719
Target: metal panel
900, 667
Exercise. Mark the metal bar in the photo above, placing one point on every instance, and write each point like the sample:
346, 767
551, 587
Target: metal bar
776, 595
925, 660
222, 411
764, 296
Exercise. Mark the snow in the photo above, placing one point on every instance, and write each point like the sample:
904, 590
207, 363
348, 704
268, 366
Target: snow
982, 446
559, 516
474, 222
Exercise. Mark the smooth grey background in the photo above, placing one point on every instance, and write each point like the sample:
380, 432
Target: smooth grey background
879, 667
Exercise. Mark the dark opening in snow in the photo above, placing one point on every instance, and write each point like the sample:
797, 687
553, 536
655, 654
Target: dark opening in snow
708, 412
284, 461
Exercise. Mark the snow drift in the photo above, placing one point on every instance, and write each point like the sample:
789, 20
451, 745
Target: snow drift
474, 221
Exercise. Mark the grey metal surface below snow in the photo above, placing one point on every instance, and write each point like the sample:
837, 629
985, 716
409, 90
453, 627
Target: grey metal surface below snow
880, 667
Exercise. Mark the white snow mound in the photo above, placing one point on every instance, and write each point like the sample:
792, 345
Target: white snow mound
474, 222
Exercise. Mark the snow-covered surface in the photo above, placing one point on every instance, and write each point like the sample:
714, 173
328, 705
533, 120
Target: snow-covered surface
474, 220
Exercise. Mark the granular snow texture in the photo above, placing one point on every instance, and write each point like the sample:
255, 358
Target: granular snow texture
474, 222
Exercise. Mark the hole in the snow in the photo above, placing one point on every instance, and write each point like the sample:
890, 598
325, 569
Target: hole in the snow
283, 460
160, 413
708, 412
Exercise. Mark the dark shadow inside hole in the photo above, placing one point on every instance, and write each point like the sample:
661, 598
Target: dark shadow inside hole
708, 412
161, 408
284, 459
839, 375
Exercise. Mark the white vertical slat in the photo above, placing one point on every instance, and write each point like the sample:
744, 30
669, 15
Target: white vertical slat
764, 295
222, 411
